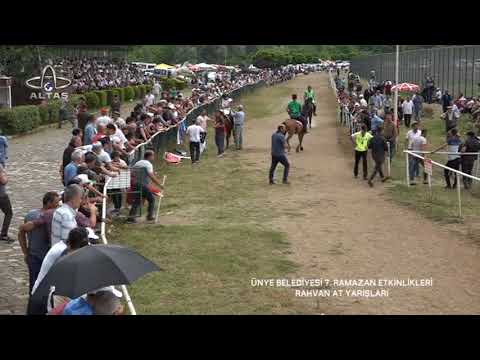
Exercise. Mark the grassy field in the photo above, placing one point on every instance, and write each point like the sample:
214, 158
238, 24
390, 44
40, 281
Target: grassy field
216, 235
440, 204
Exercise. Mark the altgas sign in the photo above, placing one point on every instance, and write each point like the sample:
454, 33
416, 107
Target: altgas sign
48, 85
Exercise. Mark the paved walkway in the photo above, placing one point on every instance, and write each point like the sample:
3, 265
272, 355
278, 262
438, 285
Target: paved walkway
32, 170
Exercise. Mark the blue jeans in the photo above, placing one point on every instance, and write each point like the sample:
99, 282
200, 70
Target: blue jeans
34, 265
413, 167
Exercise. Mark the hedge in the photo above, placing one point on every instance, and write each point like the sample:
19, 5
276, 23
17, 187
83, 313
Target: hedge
102, 97
53, 108
129, 93
110, 95
44, 115
19, 119
138, 92
75, 99
170, 83
121, 94
93, 102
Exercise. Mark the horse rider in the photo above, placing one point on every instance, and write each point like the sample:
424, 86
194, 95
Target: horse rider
310, 94
306, 108
294, 109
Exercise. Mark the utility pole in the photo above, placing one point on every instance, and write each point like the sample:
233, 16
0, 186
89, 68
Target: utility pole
395, 104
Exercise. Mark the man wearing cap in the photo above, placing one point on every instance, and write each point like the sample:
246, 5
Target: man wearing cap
471, 145
101, 302
104, 119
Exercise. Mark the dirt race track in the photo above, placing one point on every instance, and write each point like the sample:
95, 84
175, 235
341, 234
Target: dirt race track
339, 228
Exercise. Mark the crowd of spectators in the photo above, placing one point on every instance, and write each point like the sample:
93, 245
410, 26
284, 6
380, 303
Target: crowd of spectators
102, 147
89, 74
372, 126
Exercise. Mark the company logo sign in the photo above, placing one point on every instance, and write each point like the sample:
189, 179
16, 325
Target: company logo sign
48, 84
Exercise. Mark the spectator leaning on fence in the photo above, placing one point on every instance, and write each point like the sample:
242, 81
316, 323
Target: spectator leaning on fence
64, 217
453, 146
71, 170
144, 177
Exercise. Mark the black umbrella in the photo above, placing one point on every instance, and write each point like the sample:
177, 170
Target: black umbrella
93, 267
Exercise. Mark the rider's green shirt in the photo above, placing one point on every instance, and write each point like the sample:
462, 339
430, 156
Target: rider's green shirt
295, 108
309, 94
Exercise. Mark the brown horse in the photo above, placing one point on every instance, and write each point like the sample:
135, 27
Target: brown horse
294, 127
227, 121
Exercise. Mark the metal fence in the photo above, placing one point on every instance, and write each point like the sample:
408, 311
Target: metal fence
453, 68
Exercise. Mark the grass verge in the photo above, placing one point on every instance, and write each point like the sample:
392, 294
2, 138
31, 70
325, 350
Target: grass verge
216, 236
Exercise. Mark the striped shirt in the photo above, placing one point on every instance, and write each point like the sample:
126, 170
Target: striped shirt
63, 221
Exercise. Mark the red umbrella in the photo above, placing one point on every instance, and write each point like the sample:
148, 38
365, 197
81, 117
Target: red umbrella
406, 87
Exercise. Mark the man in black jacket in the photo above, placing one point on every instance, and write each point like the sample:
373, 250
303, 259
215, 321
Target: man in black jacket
378, 145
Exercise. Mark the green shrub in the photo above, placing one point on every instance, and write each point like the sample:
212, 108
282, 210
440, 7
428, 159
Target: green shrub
19, 119
44, 115
75, 99
138, 92
129, 93
93, 102
102, 97
143, 91
54, 111
121, 94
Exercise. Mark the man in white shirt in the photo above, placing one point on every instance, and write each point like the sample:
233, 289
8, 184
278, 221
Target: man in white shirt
419, 143
157, 88
193, 132
412, 134
64, 217
407, 108
117, 120
104, 119
202, 121
149, 99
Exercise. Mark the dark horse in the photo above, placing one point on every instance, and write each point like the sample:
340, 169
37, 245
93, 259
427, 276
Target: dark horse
307, 111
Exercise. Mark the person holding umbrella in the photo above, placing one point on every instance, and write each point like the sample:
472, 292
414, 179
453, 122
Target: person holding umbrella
77, 238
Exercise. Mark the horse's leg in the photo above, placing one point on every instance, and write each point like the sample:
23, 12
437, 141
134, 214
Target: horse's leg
288, 140
300, 140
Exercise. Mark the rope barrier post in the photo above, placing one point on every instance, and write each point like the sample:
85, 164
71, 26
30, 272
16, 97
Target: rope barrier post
160, 199
104, 240
388, 160
459, 195
407, 168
